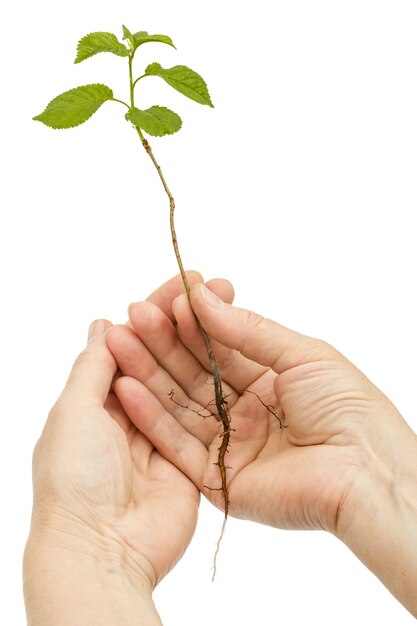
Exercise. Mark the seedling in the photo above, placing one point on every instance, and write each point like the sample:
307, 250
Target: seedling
76, 106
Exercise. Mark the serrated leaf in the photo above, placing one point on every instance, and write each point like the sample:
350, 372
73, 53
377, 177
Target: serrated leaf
94, 43
74, 107
184, 80
128, 35
157, 121
143, 37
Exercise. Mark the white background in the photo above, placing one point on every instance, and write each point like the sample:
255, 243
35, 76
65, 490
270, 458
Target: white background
299, 186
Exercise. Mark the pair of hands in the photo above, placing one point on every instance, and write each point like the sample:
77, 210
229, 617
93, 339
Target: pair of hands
120, 465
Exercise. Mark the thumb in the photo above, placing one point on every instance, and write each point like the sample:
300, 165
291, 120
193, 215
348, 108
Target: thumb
254, 336
92, 373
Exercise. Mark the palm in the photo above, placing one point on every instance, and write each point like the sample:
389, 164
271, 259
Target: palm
151, 491
278, 478
126, 487
307, 468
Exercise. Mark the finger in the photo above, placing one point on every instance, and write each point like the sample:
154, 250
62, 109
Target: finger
113, 408
166, 293
164, 432
164, 296
159, 335
238, 371
254, 336
135, 360
92, 373
223, 288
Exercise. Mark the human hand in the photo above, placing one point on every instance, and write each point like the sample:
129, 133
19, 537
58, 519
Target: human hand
289, 478
100, 487
333, 467
295, 477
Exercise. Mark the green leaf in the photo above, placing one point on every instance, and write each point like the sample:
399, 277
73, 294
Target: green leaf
157, 121
143, 37
128, 35
94, 43
184, 80
74, 107
141, 34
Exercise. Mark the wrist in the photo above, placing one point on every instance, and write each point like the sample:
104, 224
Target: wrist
72, 577
378, 519
55, 527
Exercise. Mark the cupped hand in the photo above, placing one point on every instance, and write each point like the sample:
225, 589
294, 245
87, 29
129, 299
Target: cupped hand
99, 483
307, 424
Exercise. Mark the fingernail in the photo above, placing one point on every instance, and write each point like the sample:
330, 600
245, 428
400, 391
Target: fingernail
210, 298
129, 308
96, 328
174, 302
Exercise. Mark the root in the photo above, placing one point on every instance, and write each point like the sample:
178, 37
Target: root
217, 549
269, 407
199, 412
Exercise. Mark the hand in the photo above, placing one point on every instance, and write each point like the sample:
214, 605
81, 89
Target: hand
345, 441
295, 477
100, 487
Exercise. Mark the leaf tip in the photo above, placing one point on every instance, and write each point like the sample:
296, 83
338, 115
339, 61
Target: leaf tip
79, 57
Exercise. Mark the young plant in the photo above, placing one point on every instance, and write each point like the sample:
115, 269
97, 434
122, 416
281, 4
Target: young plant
76, 106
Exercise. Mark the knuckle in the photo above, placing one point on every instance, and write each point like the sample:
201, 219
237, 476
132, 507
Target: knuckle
253, 320
81, 359
37, 452
324, 349
253, 323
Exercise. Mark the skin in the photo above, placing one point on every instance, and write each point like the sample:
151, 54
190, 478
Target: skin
345, 463
102, 496
117, 453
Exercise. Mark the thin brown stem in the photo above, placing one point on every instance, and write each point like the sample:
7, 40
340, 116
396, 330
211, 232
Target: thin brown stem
221, 403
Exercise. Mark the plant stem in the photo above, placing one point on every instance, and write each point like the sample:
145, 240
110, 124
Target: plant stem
121, 102
132, 87
220, 399
221, 403
132, 92
143, 76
